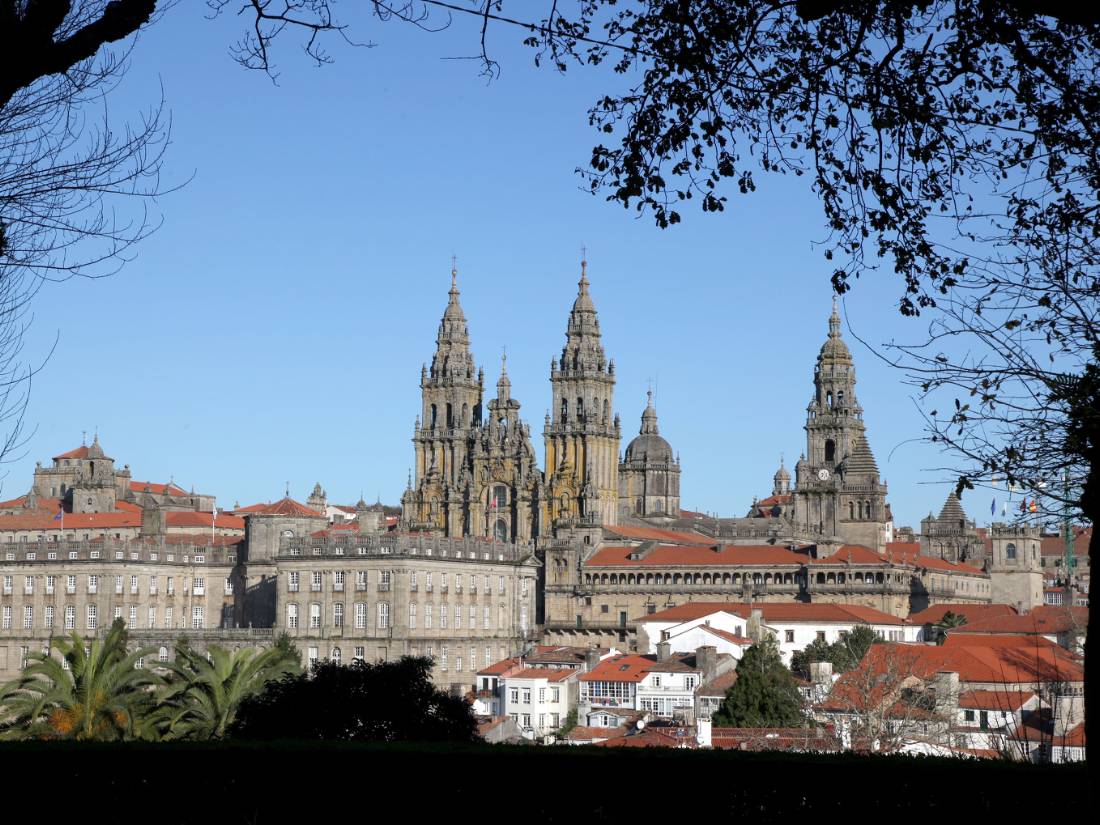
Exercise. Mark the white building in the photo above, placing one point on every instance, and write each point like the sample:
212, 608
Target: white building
793, 625
538, 699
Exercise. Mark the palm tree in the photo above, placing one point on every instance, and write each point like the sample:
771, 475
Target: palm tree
94, 691
204, 692
947, 622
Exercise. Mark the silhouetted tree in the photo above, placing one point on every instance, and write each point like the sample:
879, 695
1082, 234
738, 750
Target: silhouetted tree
382, 702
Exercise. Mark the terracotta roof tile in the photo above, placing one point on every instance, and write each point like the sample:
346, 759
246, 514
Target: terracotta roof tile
1003, 700
284, 507
665, 555
548, 673
630, 531
973, 612
777, 612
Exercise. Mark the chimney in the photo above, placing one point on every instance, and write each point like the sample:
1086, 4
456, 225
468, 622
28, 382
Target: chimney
703, 732
706, 659
664, 651
754, 629
821, 673
591, 658
946, 685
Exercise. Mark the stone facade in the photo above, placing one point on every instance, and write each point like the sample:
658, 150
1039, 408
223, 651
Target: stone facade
952, 535
465, 602
1015, 566
649, 475
838, 492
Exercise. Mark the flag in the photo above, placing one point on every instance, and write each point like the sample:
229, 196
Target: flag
993, 507
1004, 509
1023, 506
60, 514
1034, 506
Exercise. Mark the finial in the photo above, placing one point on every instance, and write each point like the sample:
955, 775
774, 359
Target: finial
409, 482
83, 438
649, 397
834, 321
584, 264
287, 493
504, 360
454, 272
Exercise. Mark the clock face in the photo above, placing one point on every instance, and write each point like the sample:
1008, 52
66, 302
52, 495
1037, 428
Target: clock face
823, 474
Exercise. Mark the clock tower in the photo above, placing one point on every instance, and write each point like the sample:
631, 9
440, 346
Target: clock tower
838, 494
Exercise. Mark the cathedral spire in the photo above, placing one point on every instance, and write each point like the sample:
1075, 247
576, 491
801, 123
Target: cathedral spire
834, 322
649, 417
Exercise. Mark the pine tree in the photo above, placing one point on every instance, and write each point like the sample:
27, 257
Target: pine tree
764, 695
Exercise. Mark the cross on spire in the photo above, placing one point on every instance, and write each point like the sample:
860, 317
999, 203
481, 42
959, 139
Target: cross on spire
454, 271
287, 493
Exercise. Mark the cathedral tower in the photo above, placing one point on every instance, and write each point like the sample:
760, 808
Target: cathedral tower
582, 432
649, 476
451, 407
838, 491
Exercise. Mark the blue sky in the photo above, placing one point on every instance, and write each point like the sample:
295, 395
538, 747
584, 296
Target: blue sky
273, 329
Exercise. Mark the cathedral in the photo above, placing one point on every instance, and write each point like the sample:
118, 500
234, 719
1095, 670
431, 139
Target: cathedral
477, 475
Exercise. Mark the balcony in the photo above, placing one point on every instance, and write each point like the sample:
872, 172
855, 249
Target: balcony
338, 587
383, 587
427, 588
413, 587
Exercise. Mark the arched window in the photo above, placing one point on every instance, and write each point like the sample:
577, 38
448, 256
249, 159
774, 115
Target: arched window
465, 415
830, 450
432, 417
162, 655
658, 505
1010, 551
840, 398
500, 497
450, 416
500, 530
335, 656
829, 400
861, 509
580, 409
639, 507
851, 510
866, 509
606, 410
564, 410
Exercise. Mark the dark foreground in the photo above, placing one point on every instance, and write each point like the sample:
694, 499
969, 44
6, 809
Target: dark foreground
261, 783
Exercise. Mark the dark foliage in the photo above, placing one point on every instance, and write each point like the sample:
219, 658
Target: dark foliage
383, 702
764, 695
844, 654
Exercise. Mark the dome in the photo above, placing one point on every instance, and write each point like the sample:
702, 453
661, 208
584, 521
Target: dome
834, 349
648, 444
782, 474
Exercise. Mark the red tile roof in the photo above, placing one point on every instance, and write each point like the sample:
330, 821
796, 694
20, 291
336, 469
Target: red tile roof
1056, 545
665, 555
742, 641
158, 489
653, 737
1002, 700
630, 531
777, 612
1041, 620
501, 667
188, 518
581, 733
79, 452
901, 552
852, 554
887, 667
769, 739
284, 507
973, 612
549, 673
44, 520
626, 667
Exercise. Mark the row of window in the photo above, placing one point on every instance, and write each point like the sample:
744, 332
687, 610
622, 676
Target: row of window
444, 662
428, 614
91, 616
385, 580
120, 555
524, 720
197, 584
515, 693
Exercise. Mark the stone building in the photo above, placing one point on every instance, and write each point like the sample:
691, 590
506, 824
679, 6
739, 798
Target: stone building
465, 602
838, 492
582, 431
952, 535
649, 475
476, 474
1015, 566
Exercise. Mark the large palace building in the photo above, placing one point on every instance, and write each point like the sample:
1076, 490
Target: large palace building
491, 552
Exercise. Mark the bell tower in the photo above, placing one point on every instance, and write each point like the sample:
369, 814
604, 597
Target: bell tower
451, 395
582, 431
838, 492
